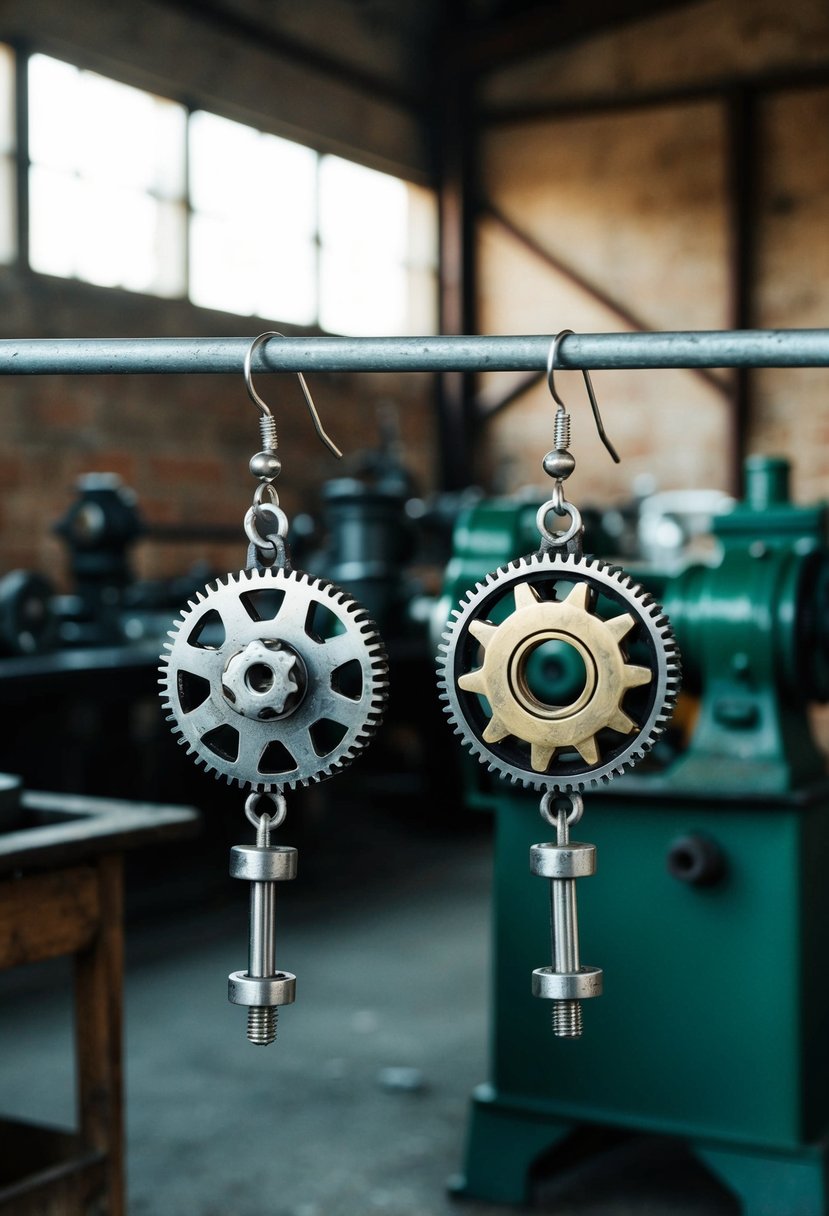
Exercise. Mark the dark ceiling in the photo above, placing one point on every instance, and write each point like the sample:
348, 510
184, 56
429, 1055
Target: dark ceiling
391, 46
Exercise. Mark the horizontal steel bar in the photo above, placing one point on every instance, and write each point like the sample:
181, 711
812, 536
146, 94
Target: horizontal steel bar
712, 348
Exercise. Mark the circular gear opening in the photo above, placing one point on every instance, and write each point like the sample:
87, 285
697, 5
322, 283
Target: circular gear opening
566, 749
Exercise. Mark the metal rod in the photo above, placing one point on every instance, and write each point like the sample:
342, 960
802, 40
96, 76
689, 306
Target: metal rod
129, 356
262, 937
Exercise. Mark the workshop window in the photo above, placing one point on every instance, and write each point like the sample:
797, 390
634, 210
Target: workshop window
252, 228
126, 189
8, 193
106, 181
376, 274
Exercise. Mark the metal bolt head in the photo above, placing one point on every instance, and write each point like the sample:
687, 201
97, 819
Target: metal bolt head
558, 464
265, 680
265, 465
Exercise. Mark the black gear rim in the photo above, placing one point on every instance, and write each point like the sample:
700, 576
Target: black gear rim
650, 706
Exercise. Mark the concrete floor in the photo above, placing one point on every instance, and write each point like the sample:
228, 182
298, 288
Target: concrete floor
390, 948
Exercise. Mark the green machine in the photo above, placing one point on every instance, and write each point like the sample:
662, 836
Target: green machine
709, 912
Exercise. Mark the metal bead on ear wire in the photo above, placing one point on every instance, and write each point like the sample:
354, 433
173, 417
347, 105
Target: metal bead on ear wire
272, 679
592, 730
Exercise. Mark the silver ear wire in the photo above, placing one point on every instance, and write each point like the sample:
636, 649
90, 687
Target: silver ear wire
561, 412
266, 421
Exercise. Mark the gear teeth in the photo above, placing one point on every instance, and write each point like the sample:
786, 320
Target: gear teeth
475, 603
369, 650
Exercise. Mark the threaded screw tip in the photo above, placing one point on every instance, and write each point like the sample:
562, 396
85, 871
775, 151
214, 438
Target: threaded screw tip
262, 1024
567, 1019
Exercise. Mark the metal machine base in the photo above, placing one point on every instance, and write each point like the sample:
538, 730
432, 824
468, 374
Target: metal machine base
505, 1143
713, 1029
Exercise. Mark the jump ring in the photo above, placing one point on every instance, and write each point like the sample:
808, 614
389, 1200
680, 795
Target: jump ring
252, 532
265, 488
252, 801
557, 539
573, 815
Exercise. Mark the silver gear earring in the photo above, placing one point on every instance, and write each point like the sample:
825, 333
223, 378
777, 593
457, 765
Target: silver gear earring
272, 679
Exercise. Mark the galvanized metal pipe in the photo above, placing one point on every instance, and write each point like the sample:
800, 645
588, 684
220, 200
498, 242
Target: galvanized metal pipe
129, 356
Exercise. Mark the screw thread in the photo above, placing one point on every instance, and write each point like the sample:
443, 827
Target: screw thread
567, 1019
262, 1024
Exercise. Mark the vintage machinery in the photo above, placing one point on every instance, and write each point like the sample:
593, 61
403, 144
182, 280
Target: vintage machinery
711, 909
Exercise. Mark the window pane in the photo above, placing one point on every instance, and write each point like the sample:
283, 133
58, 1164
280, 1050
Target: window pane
220, 151
106, 181
285, 186
252, 232
54, 113
53, 218
130, 137
361, 297
287, 281
217, 278
104, 234
360, 207
234, 269
8, 209
7, 107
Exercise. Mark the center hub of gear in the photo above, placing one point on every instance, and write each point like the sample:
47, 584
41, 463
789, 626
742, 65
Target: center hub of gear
265, 680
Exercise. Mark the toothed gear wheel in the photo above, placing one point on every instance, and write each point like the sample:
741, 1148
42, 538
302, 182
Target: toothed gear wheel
581, 614
274, 678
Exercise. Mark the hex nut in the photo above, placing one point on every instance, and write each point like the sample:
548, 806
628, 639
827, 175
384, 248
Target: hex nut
572, 860
276, 863
277, 989
567, 985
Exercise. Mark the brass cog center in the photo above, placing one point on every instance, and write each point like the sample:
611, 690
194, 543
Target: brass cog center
502, 678
523, 693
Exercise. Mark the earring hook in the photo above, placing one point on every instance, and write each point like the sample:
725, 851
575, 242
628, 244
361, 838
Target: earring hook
262, 406
552, 356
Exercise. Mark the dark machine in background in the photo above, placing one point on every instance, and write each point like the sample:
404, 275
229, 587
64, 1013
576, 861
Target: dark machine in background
79, 669
709, 912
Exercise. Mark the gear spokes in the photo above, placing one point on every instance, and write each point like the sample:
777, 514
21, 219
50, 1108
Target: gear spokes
274, 678
517, 711
586, 730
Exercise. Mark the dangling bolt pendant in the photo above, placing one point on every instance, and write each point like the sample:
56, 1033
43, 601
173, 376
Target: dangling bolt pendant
262, 988
567, 983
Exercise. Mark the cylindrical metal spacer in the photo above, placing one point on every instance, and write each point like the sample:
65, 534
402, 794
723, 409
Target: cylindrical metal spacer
567, 985
277, 863
262, 1024
572, 860
278, 989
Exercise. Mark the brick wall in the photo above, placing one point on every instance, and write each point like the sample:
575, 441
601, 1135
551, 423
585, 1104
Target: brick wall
635, 203
181, 442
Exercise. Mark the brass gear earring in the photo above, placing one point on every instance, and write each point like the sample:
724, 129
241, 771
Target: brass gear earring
610, 717
272, 679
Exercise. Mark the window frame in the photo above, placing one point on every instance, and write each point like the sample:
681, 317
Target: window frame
23, 164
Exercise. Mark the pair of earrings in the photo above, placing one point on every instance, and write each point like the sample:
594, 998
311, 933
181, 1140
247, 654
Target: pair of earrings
274, 678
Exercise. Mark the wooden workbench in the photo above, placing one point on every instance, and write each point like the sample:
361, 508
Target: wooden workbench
61, 893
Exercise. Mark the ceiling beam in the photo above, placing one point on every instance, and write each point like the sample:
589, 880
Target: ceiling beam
547, 26
265, 37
